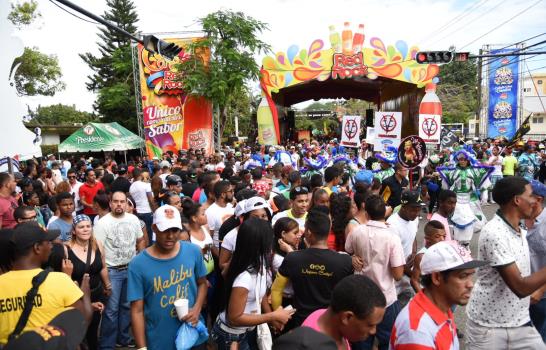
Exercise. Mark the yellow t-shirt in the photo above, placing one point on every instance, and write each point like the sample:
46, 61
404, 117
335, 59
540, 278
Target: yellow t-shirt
510, 164
54, 295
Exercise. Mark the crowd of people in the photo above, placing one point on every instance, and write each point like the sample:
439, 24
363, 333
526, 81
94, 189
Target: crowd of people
308, 245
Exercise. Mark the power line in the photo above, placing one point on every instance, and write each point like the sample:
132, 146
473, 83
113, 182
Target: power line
65, 10
453, 20
503, 23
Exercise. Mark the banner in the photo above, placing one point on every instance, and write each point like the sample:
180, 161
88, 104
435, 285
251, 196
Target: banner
350, 131
523, 129
448, 138
503, 95
388, 129
173, 120
430, 128
412, 151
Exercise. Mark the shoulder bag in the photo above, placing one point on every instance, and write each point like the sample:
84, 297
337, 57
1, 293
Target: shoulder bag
263, 338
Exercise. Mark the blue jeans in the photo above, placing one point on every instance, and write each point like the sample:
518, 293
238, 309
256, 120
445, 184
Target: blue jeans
538, 316
223, 339
116, 317
148, 219
383, 332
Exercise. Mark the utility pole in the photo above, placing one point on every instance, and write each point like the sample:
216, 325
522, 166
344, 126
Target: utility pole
479, 104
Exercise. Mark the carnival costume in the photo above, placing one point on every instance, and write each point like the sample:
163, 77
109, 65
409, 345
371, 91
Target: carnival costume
389, 156
284, 157
313, 165
467, 183
255, 161
527, 166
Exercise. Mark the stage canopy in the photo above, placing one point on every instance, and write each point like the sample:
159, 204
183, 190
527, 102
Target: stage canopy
97, 137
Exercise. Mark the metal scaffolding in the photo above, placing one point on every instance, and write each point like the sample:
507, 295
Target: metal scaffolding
138, 95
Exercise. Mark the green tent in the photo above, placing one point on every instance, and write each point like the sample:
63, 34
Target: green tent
96, 137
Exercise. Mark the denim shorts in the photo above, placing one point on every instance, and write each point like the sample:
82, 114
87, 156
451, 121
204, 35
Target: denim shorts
223, 338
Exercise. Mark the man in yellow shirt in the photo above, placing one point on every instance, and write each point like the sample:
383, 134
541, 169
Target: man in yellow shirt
28, 249
509, 163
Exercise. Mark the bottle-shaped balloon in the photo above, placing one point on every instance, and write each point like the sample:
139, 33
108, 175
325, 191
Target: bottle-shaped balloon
430, 104
335, 39
266, 128
347, 37
358, 39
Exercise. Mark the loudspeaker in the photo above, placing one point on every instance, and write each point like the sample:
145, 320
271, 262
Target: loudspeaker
369, 117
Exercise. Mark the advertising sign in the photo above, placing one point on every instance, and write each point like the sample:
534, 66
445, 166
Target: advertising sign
503, 95
388, 129
448, 138
430, 128
350, 131
173, 120
412, 151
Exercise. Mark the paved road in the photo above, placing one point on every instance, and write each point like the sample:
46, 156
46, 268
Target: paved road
460, 314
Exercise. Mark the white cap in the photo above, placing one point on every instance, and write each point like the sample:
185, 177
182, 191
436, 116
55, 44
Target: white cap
165, 164
255, 203
447, 255
166, 217
240, 208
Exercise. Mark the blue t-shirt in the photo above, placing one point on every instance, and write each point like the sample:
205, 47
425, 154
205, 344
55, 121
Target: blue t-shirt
159, 282
65, 227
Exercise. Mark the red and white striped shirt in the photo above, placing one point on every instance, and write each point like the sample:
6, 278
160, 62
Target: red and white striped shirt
421, 325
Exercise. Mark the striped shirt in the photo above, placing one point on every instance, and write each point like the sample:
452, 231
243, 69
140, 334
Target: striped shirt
421, 325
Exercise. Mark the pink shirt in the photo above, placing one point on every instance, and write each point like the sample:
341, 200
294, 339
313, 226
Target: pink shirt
380, 248
444, 222
7, 207
312, 322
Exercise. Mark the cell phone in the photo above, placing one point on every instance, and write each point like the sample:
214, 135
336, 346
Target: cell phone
289, 308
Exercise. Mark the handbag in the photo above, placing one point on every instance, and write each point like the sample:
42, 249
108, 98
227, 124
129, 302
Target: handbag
263, 337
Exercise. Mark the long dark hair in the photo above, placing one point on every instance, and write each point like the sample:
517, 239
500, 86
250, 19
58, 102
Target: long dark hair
340, 206
190, 208
252, 251
282, 225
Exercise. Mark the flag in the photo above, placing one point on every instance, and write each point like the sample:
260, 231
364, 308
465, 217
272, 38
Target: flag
523, 129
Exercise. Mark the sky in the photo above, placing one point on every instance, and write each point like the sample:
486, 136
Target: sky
430, 25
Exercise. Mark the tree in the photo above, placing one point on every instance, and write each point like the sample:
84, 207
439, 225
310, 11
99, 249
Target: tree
231, 39
60, 114
240, 107
113, 78
35, 73
457, 91
24, 14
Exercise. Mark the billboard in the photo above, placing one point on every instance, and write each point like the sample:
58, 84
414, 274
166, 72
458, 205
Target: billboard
388, 130
503, 95
173, 120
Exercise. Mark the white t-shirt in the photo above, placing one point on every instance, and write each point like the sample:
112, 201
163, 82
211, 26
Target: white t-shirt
163, 178
139, 191
496, 161
230, 240
276, 264
295, 159
75, 192
248, 281
202, 244
118, 236
288, 214
407, 230
216, 215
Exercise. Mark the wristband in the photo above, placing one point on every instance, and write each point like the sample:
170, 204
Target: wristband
143, 348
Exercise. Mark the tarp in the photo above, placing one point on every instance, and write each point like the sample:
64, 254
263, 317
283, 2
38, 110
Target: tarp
96, 137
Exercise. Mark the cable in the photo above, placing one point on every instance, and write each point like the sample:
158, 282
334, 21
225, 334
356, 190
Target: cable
453, 20
535, 86
65, 10
503, 23
471, 20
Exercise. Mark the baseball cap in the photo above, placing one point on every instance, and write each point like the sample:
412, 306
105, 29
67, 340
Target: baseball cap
255, 203
302, 338
174, 180
539, 189
411, 197
122, 169
64, 332
166, 217
164, 164
448, 255
28, 233
365, 176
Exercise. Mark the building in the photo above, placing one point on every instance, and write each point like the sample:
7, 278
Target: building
534, 90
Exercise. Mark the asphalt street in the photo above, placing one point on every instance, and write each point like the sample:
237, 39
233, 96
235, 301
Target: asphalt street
460, 312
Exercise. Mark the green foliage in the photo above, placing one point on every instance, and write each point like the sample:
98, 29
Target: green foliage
23, 14
112, 77
37, 74
60, 114
232, 41
49, 149
457, 91
241, 107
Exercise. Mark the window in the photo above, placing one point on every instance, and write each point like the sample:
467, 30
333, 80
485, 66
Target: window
526, 89
538, 120
539, 82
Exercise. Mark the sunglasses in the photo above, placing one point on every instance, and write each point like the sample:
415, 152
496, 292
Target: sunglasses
301, 190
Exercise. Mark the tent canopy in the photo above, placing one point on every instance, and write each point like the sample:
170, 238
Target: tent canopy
96, 137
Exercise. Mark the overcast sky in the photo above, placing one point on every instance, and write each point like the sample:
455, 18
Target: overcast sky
418, 22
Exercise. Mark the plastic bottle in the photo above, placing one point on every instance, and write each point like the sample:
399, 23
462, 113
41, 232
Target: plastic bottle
347, 37
358, 39
335, 39
266, 129
430, 104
